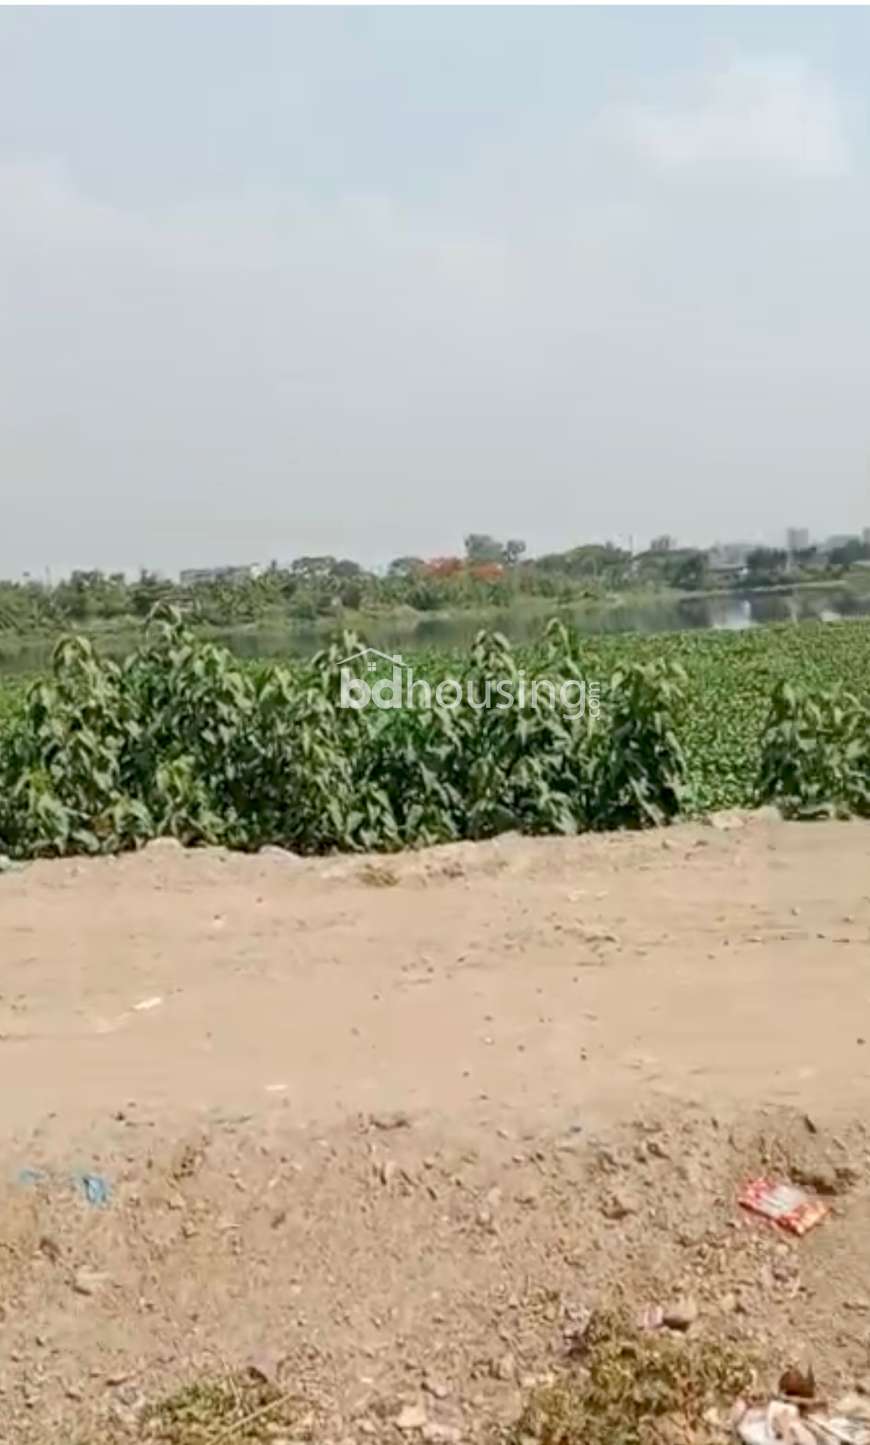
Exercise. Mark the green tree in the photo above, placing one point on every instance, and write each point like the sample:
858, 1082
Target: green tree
481, 547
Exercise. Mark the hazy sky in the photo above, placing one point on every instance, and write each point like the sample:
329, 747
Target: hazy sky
360, 281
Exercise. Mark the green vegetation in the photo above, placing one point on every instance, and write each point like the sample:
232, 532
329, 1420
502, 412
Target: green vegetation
491, 574
636, 1388
244, 1408
184, 739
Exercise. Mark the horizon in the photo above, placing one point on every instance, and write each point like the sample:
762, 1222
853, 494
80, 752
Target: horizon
50, 576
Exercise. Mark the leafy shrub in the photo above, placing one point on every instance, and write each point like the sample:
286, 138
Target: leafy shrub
184, 740
816, 753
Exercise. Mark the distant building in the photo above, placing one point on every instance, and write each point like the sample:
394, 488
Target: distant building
197, 576
838, 539
728, 556
797, 539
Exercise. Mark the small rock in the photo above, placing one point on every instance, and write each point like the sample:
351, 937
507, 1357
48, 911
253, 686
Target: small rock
412, 1417
392, 1119
387, 1171
728, 1303
438, 1434
88, 1281
619, 1205
799, 1384
271, 850
437, 1388
163, 845
681, 1314
504, 1369
652, 1317
50, 1248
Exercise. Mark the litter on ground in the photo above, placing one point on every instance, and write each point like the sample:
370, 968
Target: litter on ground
848, 1423
785, 1204
95, 1188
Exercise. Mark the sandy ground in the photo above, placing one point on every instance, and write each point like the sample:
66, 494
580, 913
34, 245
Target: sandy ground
375, 1123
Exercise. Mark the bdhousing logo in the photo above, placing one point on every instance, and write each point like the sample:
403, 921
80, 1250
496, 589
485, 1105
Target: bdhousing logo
399, 688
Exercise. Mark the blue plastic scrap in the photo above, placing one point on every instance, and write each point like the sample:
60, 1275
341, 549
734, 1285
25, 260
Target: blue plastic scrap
96, 1188
31, 1177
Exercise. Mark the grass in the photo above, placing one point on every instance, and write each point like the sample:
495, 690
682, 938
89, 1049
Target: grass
243, 1409
622, 1387
634, 1388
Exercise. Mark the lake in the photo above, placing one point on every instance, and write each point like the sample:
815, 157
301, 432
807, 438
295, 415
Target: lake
731, 612
727, 612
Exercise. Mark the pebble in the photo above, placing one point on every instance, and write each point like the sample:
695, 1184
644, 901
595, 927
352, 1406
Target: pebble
88, 1281
393, 1119
271, 850
412, 1417
440, 1434
504, 1369
438, 1388
619, 1205
681, 1314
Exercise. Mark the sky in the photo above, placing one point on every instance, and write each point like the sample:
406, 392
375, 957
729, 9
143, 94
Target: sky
360, 281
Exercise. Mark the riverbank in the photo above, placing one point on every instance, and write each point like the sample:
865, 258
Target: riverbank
521, 619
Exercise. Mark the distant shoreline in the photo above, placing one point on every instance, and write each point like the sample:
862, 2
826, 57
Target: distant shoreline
276, 635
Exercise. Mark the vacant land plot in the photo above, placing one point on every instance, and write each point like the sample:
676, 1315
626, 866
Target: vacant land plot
386, 1129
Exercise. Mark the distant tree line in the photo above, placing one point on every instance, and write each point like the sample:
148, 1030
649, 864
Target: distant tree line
488, 572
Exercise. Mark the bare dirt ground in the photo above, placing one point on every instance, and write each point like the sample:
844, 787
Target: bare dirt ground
386, 1129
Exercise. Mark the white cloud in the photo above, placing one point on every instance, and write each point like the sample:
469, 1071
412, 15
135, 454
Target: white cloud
773, 114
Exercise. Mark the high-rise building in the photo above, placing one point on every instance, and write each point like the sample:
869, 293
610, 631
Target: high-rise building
797, 538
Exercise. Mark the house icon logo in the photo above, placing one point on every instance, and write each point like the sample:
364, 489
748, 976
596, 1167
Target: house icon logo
372, 658
384, 691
